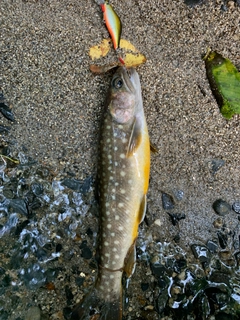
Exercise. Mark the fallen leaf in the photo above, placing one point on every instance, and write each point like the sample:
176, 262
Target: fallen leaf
124, 44
224, 80
100, 50
134, 60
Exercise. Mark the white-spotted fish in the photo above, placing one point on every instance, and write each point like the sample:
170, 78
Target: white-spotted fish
123, 176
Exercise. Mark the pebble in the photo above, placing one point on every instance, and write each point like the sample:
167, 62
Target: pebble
167, 201
33, 313
212, 246
236, 206
200, 252
218, 223
222, 238
221, 207
215, 165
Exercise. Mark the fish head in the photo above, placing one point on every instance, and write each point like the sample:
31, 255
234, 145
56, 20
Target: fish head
125, 95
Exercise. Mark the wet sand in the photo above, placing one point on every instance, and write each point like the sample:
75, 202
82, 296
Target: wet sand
58, 102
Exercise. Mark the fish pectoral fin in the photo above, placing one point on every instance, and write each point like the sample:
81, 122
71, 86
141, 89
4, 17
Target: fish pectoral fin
130, 260
142, 209
135, 138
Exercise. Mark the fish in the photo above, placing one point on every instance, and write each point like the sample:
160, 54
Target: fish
123, 180
113, 23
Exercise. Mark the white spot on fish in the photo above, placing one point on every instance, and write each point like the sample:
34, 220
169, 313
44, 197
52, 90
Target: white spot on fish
113, 197
123, 173
107, 213
109, 226
111, 276
121, 205
117, 217
115, 148
122, 156
116, 242
113, 234
120, 228
116, 163
116, 184
114, 249
106, 243
117, 256
107, 204
130, 181
113, 190
107, 255
124, 140
108, 127
109, 156
122, 191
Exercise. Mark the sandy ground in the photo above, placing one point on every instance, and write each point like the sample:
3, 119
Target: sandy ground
58, 102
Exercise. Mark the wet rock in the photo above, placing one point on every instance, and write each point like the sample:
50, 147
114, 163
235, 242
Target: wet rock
161, 301
221, 207
212, 246
86, 252
177, 238
21, 226
218, 223
201, 252
236, 206
158, 269
144, 286
222, 238
237, 257
227, 258
149, 315
69, 295
6, 112
3, 315
19, 205
220, 277
37, 189
78, 185
167, 201
33, 313
176, 217
58, 247
179, 265
225, 316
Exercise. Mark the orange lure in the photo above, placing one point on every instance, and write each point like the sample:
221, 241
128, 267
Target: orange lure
113, 23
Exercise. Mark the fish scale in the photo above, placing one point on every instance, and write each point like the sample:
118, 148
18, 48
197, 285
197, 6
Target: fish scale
123, 177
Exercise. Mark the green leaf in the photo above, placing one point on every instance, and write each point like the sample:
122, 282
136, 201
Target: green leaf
224, 80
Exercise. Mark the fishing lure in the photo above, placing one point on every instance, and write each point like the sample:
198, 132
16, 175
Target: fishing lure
113, 23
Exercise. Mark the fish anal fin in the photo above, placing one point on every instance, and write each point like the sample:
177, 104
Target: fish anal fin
130, 261
135, 138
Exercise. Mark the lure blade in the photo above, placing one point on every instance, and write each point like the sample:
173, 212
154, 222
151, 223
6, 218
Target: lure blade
113, 23
224, 80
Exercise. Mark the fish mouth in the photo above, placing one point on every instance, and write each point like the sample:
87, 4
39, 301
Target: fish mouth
130, 78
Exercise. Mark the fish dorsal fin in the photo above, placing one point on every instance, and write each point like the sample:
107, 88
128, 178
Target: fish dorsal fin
130, 261
135, 138
142, 209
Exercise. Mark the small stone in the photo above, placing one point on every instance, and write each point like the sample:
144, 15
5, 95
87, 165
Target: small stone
236, 206
144, 286
200, 252
33, 313
167, 201
222, 238
221, 207
212, 246
175, 217
215, 165
158, 222
86, 252
218, 223
19, 206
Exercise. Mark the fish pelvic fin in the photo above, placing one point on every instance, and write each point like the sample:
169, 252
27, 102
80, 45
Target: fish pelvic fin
95, 307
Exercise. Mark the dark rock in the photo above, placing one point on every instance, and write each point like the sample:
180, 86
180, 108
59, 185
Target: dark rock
58, 247
2, 271
37, 189
221, 207
176, 238
237, 257
200, 252
236, 206
4, 129
175, 217
179, 265
219, 277
144, 286
225, 316
167, 201
158, 270
79, 281
21, 226
222, 238
215, 165
86, 252
162, 301
67, 313
4, 315
69, 294
19, 206
192, 3
6, 112
78, 185
212, 246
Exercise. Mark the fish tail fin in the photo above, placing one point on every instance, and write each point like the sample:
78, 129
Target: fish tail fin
94, 304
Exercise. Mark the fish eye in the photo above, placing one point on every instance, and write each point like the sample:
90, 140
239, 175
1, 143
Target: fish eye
117, 83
